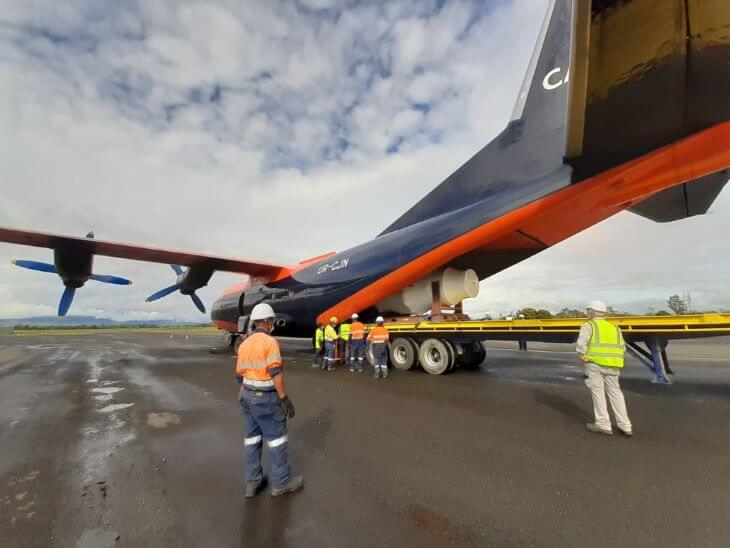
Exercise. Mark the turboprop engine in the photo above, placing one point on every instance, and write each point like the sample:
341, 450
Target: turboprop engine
455, 286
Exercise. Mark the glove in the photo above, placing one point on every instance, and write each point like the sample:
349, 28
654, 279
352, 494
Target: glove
288, 407
239, 379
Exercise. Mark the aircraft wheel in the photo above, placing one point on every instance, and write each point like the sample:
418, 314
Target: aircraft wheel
435, 356
473, 358
403, 354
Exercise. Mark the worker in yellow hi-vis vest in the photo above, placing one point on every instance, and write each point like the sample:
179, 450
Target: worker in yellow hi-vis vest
601, 348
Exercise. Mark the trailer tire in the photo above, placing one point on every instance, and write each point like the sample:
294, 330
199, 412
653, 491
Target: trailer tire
435, 356
403, 354
473, 358
369, 355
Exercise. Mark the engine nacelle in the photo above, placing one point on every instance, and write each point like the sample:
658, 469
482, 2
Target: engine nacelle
456, 285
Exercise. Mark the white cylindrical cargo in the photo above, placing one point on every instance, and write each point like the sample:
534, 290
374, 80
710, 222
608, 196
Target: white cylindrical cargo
456, 285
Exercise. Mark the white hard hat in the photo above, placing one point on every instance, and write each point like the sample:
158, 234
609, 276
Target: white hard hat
262, 311
379, 319
355, 316
598, 306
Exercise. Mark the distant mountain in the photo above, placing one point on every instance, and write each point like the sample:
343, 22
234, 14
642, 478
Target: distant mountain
87, 320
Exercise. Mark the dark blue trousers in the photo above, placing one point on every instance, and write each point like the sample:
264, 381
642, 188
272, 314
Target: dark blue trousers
264, 420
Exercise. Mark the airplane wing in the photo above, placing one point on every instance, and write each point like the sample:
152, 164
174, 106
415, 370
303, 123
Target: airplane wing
138, 252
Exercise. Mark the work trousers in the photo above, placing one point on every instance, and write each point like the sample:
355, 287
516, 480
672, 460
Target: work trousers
345, 351
264, 420
329, 355
357, 352
318, 356
380, 355
602, 381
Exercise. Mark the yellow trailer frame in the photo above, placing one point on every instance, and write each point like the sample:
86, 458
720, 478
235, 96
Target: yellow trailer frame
654, 332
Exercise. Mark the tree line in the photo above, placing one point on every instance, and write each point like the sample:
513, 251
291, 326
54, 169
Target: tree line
676, 304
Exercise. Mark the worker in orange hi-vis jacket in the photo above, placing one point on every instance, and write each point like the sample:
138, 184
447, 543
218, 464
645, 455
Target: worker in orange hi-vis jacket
266, 406
378, 340
357, 344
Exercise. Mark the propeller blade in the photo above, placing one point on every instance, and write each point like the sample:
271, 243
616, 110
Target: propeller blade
162, 293
35, 265
178, 269
110, 279
66, 299
198, 302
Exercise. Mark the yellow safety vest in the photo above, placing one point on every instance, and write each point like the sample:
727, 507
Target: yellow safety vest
330, 335
606, 346
318, 338
345, 331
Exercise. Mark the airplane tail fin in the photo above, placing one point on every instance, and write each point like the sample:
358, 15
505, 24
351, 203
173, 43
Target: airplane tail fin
533, 144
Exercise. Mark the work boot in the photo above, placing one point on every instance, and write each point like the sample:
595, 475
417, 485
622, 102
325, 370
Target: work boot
253, 489
352, 369
315, 365
593, 428
627, 433
294, 484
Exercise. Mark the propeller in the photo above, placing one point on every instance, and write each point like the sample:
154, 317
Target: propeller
178, 286
73, 278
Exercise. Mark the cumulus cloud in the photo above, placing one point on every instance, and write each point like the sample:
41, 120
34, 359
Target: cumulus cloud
276, 131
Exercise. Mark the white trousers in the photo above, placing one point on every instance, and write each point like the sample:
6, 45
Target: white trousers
602, 381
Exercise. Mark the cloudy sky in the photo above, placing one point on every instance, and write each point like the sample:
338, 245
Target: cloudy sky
279, 131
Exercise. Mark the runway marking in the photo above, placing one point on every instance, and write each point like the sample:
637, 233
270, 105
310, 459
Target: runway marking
115, 407
108, 389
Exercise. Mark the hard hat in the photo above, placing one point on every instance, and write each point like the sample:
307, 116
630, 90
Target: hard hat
355, 316
379, 319
598, 306
262, 311
333, 319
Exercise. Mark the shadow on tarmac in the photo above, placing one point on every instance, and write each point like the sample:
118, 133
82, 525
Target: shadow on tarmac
562, 405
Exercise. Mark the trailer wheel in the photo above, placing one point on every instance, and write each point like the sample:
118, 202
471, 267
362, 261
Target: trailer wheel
403, 354
369, 355
435, 356
473, 358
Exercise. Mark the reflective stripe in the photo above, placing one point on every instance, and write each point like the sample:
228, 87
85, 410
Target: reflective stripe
252, 441
277, 442
253, 383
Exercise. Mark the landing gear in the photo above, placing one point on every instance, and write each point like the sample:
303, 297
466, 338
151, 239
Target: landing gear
403, 353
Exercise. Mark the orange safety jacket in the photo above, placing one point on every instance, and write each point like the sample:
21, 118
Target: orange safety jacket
259, 361
357, 330
378, 335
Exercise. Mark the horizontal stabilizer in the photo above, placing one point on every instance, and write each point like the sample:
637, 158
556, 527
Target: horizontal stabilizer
682, 201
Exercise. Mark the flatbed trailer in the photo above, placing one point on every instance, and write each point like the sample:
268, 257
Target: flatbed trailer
441, 346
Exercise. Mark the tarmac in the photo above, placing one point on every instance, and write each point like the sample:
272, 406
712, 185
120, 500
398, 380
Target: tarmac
136, 440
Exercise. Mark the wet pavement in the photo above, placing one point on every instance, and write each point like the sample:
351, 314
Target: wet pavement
135, 440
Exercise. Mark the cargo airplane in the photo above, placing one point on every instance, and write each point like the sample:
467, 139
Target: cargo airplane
624, 106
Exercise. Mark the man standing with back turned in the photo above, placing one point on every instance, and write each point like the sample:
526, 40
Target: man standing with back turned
378, 339
601, 348
265, 406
